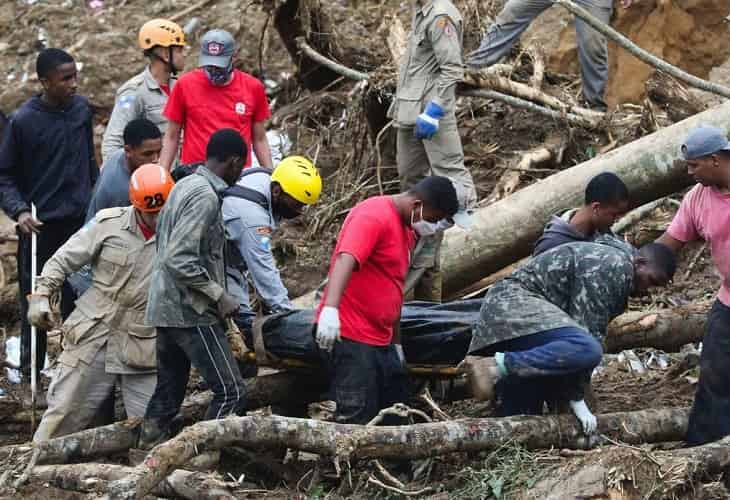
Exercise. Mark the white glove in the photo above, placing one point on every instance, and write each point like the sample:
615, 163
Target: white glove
584, 415
328, 328
401, 355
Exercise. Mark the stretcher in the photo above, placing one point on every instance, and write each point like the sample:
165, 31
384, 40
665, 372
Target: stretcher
435, 338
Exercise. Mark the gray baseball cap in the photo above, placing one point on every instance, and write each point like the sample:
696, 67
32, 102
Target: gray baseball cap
216, 49
704, 140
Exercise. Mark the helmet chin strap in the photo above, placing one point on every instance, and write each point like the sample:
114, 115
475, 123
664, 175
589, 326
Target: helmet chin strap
173, 71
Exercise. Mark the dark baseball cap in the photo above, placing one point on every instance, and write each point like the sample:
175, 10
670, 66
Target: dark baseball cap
704, 140
216, 49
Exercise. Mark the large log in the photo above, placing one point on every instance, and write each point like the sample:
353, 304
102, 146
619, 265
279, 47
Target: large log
665, 329
351, 442
89, 478
506, 230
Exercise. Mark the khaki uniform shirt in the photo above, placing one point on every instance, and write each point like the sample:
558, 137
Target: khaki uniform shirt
188, 274
432, 65
111, 311
139, 97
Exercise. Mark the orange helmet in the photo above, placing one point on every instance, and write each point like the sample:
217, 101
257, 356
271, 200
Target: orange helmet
149, 187
160, 32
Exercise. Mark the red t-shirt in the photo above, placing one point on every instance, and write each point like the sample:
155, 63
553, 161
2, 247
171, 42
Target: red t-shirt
202, 108
374, 234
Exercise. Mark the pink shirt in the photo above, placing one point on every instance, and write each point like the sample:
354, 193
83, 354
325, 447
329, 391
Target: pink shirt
705, 214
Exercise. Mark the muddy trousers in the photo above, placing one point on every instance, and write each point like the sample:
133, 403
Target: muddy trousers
52, 236
207, 348
709, 419
77, 392
546, 367
517, 15
365, 379
416, 158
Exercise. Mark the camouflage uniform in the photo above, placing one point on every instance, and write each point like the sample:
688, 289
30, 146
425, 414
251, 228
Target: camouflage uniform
431, 68
139, 97
582, 285
188, 280
105, 338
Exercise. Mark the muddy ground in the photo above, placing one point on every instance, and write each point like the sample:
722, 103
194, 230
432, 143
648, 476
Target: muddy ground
331, 127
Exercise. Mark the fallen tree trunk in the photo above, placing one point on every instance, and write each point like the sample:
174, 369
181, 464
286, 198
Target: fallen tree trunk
351, 442
88, 478
665, 329
506, 230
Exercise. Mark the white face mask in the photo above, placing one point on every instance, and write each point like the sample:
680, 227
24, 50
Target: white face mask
423, 227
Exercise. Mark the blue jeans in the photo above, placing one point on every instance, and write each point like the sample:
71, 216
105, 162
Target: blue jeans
549, 366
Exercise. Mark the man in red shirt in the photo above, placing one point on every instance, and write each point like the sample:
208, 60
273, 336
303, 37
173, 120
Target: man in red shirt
705, 214
213, 97
360, 311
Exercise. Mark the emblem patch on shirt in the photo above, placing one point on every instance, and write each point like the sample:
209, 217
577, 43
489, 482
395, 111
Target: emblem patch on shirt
444, 24
263, 230
126, 101
240, 108
215, 48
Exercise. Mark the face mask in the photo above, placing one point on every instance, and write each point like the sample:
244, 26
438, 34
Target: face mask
423, 227
286, 212
219, 76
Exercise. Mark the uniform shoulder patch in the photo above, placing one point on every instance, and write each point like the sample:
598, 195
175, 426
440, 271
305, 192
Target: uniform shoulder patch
444, 24
264, 230
109, 213
126, 101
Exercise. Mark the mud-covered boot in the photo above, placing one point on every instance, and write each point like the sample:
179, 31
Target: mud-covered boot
152, 433
482, 374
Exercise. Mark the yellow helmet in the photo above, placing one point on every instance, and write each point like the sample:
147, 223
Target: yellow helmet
160, 32
299, 178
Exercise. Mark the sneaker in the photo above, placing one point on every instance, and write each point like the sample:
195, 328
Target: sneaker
151, 434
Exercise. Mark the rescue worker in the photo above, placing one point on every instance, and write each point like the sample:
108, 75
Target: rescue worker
213, 97
252, 209
516, 16
542, 326
145, 94
105, 339
187, 300
358, 319
705, 215
423, 111
606, 200
47, 159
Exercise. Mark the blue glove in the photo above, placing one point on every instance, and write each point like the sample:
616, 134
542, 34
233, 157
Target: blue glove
427, 123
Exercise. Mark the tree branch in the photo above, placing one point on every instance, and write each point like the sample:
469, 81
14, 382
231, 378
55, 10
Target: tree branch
351, 442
